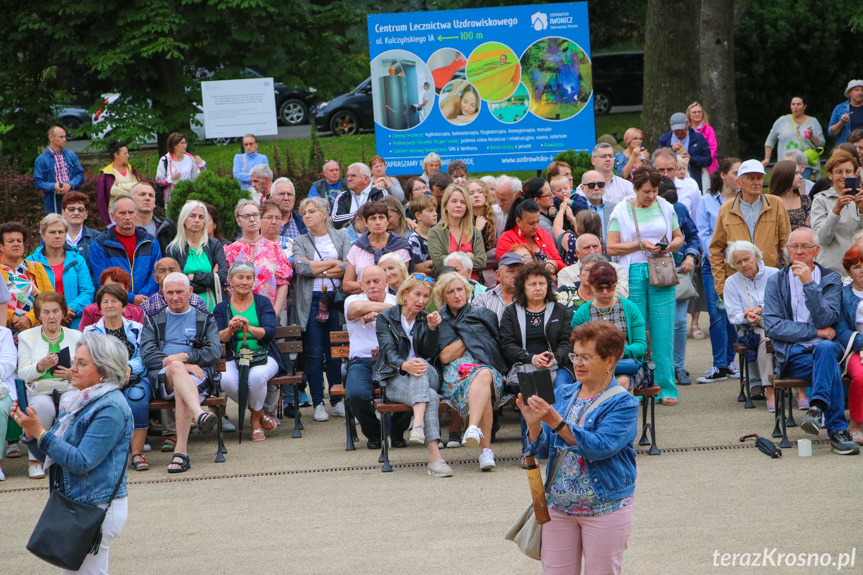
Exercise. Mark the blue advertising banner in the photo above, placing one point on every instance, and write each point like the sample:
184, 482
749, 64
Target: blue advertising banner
502, 89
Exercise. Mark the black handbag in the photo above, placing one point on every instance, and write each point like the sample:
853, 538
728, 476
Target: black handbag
69, 530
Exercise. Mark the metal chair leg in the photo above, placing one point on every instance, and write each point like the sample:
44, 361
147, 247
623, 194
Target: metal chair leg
280, 412
349, 443
654, 450
785, 444
220, 446
742, 396
790, 422
744, 381
777, 432
297, 424
644, 424
387, 468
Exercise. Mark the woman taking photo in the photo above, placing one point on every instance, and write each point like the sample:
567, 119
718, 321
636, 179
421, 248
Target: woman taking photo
473, 365
200, 256
456, 232
590, 495
112, 301
784, 185
633, 157
395, 270
371, 245
272, 269
522, 227
24, 280
620, 312
406, 335
115, 179
85, 451
246, 310
796, 131
319, 259
836, 214
382, 181
65, 267
39, 352
177, 165
657, 235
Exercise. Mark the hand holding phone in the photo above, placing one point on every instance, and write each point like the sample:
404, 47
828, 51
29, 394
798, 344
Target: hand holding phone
851, 186
662, 245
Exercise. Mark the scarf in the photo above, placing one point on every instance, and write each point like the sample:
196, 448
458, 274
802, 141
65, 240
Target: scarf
81, 400
394, 243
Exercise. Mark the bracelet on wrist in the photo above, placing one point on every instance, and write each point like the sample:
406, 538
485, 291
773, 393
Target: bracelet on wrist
40, 436
559, 425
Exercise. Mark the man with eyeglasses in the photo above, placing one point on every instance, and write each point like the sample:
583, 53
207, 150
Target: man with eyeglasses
682, 139
262, 183
593, 188
331, 185
585, 245
79, 236
801, 310
616, 188
293, 225
250, 158
359, 193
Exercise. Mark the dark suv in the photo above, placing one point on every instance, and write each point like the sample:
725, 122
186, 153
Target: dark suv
618, 80
347, 114
292, 104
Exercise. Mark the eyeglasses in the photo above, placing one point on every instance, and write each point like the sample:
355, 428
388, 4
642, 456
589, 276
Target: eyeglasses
272, 219
248, 217
603, 289
795, 247
423, 278
593, 185
250, 143
666, 170
576, 359
604, 156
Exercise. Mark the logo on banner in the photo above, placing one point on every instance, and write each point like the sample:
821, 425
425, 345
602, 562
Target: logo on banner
539, 21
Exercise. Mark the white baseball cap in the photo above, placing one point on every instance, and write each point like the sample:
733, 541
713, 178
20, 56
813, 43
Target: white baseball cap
750, 167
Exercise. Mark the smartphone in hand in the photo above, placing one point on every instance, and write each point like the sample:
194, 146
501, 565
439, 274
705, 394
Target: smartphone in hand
852, 185
662, 245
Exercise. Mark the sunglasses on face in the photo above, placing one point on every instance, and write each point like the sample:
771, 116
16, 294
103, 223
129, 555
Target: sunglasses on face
423, 278
593, 185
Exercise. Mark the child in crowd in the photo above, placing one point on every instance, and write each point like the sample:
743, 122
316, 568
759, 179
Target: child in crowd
457, 170
561, 189
424, 209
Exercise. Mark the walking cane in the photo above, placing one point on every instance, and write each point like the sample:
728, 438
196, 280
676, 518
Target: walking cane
537, 491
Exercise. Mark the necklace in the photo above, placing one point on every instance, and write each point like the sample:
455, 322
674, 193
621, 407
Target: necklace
603, 314
45, 334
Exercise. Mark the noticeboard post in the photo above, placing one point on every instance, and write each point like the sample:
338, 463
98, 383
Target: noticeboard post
234, 108
502, 89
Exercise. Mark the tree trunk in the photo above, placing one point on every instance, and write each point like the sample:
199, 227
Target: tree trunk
671, 63
718, 93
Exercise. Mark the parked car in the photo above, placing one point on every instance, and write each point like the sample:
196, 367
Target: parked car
347, 114
71, 117
292, 104
618, 80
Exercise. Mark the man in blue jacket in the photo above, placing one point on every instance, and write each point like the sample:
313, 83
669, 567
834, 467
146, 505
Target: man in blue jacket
130, 247
801, 308
57, 171
684, 140
848, 116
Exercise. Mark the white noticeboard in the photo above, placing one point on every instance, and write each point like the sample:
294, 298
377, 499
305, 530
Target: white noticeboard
234, 108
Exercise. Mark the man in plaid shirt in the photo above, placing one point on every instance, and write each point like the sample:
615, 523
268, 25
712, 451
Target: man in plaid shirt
57, 171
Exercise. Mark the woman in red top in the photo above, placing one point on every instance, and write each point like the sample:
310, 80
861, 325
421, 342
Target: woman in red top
522, 227
456, 232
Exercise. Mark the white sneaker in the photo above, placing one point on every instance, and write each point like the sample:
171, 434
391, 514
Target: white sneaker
439, 468
3, 475
418, 435
733, 371
472, 436
321, 413
36, 471
486, 460
338, 410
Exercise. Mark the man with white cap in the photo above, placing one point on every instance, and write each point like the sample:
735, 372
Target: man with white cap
684, 140
848, 115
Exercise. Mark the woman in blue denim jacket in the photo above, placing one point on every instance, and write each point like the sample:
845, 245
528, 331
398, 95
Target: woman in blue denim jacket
85, 450
590, 493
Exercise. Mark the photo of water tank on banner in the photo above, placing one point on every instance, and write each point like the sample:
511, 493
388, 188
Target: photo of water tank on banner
502, 89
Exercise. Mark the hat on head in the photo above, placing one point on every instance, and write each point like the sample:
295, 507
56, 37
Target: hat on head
678, 121
750, 167
510, 259
853, 84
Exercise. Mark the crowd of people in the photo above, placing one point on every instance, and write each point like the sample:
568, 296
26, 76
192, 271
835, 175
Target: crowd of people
450, 287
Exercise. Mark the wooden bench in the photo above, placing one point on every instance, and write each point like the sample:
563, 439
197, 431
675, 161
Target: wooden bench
289, 340
745, 395
340, 349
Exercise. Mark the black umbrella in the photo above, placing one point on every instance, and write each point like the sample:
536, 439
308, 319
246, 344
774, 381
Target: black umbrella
765, 445
243, 366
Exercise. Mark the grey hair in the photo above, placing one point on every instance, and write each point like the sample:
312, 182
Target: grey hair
317, 201
262, 170
284, 181
584, 175
51, 219
240, 267
741, 246
812, 233
797, 156
462, 257
431, 157
121, 197
594, 257
515, 182
598, 147
663, 152
490, 181
109, 356
242, 204
177, 277
364, 169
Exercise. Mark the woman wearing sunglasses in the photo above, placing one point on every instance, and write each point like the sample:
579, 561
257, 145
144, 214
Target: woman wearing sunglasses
407, 334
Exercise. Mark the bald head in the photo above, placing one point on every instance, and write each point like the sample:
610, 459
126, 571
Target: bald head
587, 244
373, 283
803, 246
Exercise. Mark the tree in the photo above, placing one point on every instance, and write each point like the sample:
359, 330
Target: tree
718, 93
671, 63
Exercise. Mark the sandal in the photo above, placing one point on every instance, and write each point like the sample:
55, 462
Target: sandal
168, 444
206, 422
141, 464
13, 450
258, 435
668, 401
184, 464
268, 422
696, 332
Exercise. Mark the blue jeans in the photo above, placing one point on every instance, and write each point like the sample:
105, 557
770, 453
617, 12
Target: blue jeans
680, 335
821, 367
723, 336
138, 398
318, 351
359, 388
52, 202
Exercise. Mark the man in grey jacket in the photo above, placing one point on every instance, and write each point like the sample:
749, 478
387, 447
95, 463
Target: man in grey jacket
801, 308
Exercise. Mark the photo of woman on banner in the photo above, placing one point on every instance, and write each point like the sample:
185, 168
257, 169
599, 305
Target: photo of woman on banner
459, 102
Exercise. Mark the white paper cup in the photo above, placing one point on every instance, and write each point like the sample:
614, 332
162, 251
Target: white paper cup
804, 447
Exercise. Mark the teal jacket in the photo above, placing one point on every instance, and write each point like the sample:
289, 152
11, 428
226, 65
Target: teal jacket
636, 338
77, 284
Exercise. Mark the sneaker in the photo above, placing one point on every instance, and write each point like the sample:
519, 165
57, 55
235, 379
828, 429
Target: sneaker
803, 404
486, 460
714, 374
472, 437
843, 444
304, 400
227, 426
2, 475
454, 440
771, 406
338, 410
13, 450
682, 378
812, 421
418, 435
36, 471
439, 468
732, 371
321, 413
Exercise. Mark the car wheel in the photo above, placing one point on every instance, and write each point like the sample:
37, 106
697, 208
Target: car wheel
293, 113
601, 103
221, 141
345, 123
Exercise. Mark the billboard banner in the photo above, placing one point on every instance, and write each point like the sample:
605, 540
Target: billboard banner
234, 108
502, 89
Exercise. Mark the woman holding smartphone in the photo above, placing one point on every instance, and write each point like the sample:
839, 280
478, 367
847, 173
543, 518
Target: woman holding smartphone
836, 212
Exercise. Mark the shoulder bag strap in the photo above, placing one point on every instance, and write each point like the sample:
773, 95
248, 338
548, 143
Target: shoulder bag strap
848, 351
312, 238
637, 231
796, 130
120, 479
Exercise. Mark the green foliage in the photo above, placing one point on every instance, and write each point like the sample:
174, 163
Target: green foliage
578, 161
223, 193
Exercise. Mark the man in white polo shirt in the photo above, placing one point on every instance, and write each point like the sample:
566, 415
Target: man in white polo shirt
616, 188
361, 311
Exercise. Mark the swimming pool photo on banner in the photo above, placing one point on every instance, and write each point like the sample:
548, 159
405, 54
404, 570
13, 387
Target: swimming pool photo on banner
513, 109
